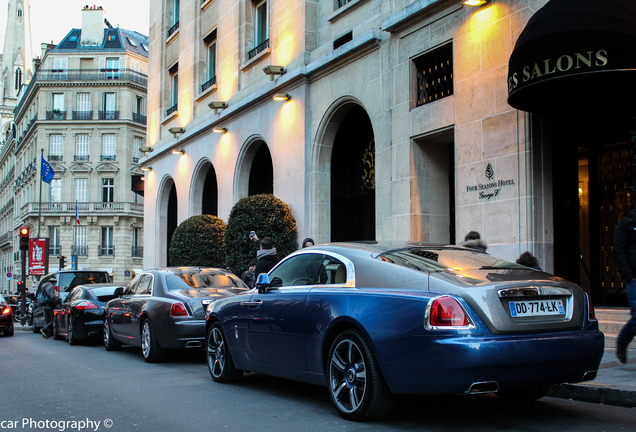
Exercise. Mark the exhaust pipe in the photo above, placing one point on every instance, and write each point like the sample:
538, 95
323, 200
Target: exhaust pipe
193, 344
483, 387
589, 375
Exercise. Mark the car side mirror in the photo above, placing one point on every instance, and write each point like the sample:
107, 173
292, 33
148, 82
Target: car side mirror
119, 292
262, 282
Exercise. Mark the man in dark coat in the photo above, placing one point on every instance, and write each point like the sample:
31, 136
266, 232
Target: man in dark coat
473, 240
266, 256
625, 255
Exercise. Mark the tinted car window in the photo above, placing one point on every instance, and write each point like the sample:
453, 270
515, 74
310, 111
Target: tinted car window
103, 291
304, 269
203, 280
144, 286
68, 281
432, 260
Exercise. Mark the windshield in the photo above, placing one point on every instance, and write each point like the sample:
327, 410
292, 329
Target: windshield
444, 259
68, 281
203, 281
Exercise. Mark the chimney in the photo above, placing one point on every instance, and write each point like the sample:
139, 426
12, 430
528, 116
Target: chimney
92, 25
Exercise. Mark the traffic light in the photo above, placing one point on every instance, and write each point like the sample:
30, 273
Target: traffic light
20, 286
62, 259
24, 238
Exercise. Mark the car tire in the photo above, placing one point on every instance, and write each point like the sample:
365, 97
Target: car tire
220, 363
10, 331
56, 334
70, 335
524, 394
150, 348
355, 384
109, 341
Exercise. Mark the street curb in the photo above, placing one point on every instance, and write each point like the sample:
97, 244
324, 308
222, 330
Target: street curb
600, 394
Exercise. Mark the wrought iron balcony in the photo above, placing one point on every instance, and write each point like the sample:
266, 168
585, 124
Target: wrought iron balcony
139, 118
56, 157
173, 29
108, 115
82, 115
56, 115
79, 250
106, 250
260, 47
88, 75
172, 109
81, 158
208, 84
137, 252
105, 158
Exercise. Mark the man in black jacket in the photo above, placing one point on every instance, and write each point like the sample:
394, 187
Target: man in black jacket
625, 255
266, 256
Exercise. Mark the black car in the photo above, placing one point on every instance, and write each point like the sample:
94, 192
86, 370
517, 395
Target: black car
165, 309
6, 317
66, 281
81, 315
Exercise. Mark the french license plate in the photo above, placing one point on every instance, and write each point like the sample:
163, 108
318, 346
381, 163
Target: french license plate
536, 308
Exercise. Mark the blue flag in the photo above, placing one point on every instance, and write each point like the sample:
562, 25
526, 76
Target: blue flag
46, 171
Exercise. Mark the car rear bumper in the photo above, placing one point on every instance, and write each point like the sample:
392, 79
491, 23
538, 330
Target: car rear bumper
183, 334
452, 365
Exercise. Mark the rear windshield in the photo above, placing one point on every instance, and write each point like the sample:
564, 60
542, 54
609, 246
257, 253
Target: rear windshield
432, 260
68, 281
101, 292
203, 281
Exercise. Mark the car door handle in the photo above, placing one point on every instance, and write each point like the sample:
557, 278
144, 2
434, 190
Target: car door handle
252, 303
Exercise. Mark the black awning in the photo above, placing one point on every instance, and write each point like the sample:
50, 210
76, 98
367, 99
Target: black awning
575, 53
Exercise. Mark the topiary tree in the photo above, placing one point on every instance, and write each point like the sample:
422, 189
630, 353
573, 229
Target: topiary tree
268, 216
198, 241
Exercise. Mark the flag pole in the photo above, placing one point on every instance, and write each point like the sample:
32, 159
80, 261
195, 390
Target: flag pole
40, 203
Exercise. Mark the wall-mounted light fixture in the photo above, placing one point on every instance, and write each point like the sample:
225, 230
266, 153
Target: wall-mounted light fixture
175, 131
178, 151
475, 2
218, 129
272, 70
146, 168
281, 97
217, 105
145, 149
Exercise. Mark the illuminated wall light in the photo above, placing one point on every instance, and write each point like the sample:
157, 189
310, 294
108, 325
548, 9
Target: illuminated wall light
178, 152
148, 168
281, 97
220, 130
474, 2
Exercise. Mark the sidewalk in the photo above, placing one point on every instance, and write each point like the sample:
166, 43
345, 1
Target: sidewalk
615, 383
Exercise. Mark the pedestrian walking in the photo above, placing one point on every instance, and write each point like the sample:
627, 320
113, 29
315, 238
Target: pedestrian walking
48, 302
625, 254
473, 241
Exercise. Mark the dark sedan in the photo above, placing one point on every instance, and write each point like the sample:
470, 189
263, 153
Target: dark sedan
6, 317
370, 321
81, 315
165, 309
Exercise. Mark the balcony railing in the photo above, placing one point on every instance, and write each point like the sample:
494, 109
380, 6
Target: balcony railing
55, 250
137, 252
341, 3
172, 109
56, 157
83, 208
260, 47
105, 158
79, 250
107, 250
81, 158
82, 115
173, 29
139, 118
56, 115
123, 75
208, 84
109, 115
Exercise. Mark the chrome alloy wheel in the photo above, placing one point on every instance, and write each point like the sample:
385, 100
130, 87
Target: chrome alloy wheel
347, 376
145, 339
106, 332
216, 352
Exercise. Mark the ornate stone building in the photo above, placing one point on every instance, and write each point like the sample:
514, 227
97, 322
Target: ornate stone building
84, 112
398, 120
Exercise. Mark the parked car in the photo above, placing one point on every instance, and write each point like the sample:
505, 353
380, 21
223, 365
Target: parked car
6, 317
165, 309
370, 321
66, 281
81, 315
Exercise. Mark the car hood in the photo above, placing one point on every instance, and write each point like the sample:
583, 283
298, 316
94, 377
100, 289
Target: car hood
490, 292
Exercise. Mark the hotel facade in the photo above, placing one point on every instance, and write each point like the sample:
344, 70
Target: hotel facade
399, 121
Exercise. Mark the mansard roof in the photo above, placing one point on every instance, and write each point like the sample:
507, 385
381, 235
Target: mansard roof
115, 39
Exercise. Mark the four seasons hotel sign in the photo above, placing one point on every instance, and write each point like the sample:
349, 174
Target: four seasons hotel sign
491, 186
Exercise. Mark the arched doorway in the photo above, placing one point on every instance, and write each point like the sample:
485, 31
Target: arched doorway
262, 171
167, 210
205, 192
353, 178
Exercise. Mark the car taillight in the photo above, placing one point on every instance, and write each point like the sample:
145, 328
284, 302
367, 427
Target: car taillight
6, 310
446, 311
591, 314
178, 309
84, 305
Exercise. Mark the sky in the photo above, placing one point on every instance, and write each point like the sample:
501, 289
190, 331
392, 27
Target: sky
51, 20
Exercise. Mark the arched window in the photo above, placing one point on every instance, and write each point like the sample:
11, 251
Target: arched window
18, 78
